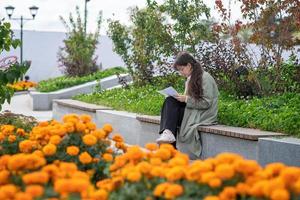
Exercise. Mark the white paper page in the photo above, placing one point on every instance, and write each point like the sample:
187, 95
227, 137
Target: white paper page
169, 91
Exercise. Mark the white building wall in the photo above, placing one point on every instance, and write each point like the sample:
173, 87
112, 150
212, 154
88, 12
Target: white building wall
42, 48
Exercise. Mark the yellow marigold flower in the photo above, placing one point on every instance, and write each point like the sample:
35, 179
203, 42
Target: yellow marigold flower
157, 171
107, 128
26, 146
215, 183
85, 118
280, 194
117, 138
72, 150
160, 189
91, 126
4, 177
80, 127
69, 127
12, 138
175, 174
173, 191
151, 146
23, 196
99, 195
21, 132
211, 198
85, 158
55, 139
228, 193
107, 157
89, 140
49, 149
224, 171
35, 190
35, 178
134, 176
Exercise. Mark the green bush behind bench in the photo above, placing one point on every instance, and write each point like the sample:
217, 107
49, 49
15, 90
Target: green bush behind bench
280, 113
62, 82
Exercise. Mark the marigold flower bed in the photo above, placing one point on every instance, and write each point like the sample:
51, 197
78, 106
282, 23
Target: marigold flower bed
22, 85
74, 159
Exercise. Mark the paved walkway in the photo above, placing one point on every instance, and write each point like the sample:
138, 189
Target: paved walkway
22, 104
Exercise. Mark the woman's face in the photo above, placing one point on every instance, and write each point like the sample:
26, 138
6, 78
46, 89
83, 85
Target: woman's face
185, 70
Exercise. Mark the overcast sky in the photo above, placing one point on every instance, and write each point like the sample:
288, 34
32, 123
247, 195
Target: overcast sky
47, 18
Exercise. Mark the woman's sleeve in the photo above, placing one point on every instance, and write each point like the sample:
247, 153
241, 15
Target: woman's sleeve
207, 99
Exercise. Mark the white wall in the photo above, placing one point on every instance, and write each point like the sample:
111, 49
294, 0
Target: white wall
42, 47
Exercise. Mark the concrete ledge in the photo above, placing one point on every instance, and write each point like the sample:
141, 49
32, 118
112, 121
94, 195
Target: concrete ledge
141, 129
285, 150
236, 132
43, 100
80, 105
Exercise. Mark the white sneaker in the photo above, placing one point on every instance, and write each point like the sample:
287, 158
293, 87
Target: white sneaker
166, 137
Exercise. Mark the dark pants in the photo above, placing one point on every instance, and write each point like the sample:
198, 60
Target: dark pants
171, 115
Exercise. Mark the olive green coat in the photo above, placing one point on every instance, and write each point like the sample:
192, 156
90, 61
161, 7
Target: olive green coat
202, 112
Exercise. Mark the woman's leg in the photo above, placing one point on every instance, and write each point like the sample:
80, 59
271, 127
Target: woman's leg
171, 115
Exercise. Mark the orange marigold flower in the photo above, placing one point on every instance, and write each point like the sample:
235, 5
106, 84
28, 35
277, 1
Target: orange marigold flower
85, 158
26, 146
228, 193
12, 138
135, 153
38, 153
72, 150
164, 154
85, 118
144, 167
117, 138
224, 171
242, 188
91, 126
107, 128
36, 178
280, 194
4, 177
99, 195
105, 184
80, 127
175, 173
55, 139
23, 196
107, 157
21, 132
43, 124
211, 198
49, 149
99, 133
215, 182
160, 189
173, 191
89, 140
151, 146
134, 176
35, 190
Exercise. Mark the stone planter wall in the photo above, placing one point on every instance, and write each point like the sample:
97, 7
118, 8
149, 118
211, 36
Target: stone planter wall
263, 146
43, 100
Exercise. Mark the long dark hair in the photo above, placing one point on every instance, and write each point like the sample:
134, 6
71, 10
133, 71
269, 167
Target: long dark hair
195, 88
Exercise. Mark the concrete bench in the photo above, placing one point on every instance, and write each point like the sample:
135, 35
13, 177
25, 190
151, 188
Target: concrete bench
263, 146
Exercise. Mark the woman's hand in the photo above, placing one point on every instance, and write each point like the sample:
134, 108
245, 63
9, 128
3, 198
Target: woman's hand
181, 98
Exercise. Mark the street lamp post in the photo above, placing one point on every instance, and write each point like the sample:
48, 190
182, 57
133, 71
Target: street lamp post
85, 14
33, 11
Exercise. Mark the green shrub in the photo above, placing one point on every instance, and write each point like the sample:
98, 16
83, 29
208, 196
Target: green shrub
18, 121
65, 81
276, 113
